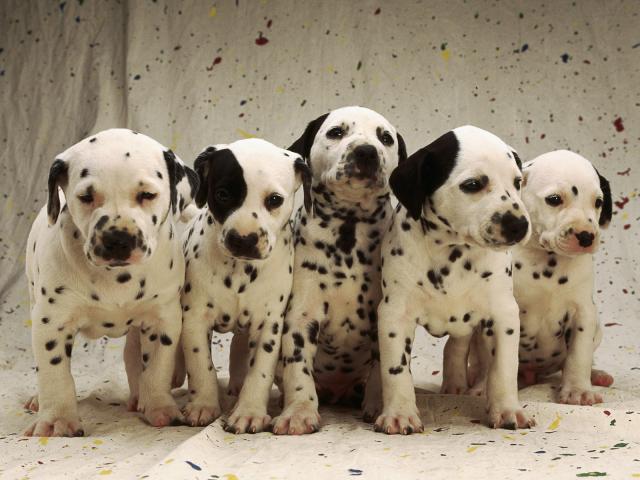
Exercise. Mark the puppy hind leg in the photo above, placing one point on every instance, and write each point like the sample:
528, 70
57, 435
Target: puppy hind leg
238, 362
133, 366
454, 371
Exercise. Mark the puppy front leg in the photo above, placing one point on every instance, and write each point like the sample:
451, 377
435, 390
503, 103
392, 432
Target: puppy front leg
576, 373
300, 414
503, 408
204, 404
133, 366
396, 331
455, 360
250, 412
57, 404
158, 345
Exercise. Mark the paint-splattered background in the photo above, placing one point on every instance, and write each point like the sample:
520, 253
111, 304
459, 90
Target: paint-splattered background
542, 75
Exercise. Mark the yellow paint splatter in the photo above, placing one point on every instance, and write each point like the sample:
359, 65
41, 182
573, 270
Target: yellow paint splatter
445, 55
27, 323
213, 12
625, 215
555, 424
43, 441
635, 475
280, 89
174, 141
508, 437
105, 472
471, 449
168, 460
230, 476
244, 134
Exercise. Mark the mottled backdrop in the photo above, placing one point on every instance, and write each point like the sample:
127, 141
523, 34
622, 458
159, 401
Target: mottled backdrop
542, 75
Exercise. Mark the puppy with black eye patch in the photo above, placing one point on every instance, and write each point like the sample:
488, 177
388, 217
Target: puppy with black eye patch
329, 338
239, 254
446, 266
102, 259
569, 203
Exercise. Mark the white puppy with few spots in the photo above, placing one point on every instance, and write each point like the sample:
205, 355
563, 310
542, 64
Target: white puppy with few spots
447, 267
102, 259
239, 255
569, 202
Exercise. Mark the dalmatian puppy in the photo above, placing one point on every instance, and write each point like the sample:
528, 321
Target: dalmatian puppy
330, 328
569, 202
239, 254
446, 266
102, 259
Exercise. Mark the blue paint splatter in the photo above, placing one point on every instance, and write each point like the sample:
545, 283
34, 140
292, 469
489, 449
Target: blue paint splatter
354, 472
193, 465
525, 47
565, 57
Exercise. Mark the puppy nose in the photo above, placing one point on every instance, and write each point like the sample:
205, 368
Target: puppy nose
585, 239
514, 228
242, 245
117, 244
366, 158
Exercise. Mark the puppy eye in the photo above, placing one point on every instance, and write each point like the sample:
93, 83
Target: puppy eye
86, 197
273, 201
473, 185
142, 196
335, 133
222, 195
553, 200
517, 183
386, 139
598, 202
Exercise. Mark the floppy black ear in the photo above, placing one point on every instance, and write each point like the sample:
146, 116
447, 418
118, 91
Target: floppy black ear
416, 179
516, 157
170, 160
607, 203
303, 170
402, 149
201, 165
58, 177
302, 146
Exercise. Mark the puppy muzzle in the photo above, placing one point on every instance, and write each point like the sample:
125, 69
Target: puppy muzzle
251, 246
506, 229
572, 241
363, 163
116, 245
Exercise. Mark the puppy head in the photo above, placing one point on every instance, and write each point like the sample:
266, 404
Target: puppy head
568, 200
120, 186
352, 150
470, 180
249, 186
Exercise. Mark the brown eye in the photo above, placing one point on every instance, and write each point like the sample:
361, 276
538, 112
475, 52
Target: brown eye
598, 203
386, 139
142, 196
473, 185
335, 133
86, 197
553, 200
273, 201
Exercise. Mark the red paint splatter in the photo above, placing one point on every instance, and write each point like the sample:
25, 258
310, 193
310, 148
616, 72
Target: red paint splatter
216, 61
526, 139
377, 12
261, 40
542, 136
620, 204
607, 412
613, 324
269, 23
624, 172
618, 124
627, 226
435, 372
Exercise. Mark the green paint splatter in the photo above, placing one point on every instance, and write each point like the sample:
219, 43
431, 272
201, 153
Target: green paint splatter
620, 445
592, 474
613, 423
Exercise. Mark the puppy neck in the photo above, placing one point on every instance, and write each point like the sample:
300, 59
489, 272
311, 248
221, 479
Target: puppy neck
327, 203
437, 230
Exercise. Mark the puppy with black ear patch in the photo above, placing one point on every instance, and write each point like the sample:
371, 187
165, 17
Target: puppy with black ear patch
569, 202
447, 267
329, 338
239, 255
102, 259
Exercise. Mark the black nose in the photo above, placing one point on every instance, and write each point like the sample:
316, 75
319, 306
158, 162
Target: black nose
585, 239
242, 245
117, 244
366, 160
513, 228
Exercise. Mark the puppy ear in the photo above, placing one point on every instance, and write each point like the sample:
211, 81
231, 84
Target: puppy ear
402, 149
58, 177
201, 166
516, 157
417, 178
607, 203
170, 161
302, 146
304, 173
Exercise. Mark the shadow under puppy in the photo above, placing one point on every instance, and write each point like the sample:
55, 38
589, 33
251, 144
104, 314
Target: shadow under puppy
102, 259
239, 255
330, 328
446, 265
569, 202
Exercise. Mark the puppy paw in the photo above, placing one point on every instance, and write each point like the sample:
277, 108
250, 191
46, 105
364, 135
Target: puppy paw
510, 418
200, 414
163, 416
132, 403
248, 420
578, 396
51, 425
297, 419
32, 404
371, 408
600, 378
394, 421
478, 389
452, 387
